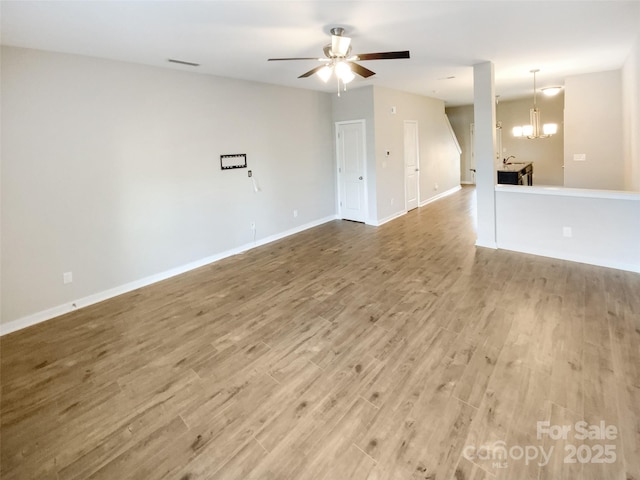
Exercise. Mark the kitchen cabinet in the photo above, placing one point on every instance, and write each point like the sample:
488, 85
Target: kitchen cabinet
516, 174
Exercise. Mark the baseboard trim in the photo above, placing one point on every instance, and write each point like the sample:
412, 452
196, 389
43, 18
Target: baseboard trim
492, 245
467, 182
420, 204
440, 195
599, 262
390, 217
54, 312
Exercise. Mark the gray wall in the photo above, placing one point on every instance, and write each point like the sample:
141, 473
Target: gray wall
439, 159
461, 119
588, 123
111, 171
357, 104
593, 126
631, 118
546, 154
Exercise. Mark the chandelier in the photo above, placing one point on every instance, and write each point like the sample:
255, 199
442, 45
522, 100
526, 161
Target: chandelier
533, 130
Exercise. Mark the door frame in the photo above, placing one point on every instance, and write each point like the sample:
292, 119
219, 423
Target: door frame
339, 192
417, 146
472, 153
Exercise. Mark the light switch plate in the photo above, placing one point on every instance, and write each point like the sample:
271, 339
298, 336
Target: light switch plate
579, 157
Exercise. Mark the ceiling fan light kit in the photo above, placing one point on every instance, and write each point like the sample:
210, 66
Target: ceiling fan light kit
533, 130
339, 61
325, 73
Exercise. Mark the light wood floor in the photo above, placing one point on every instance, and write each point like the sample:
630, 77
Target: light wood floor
344, 352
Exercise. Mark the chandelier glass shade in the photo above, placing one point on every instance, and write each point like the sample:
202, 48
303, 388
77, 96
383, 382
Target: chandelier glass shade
534, 129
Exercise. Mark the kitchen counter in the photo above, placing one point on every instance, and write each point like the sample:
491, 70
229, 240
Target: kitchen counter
515, 173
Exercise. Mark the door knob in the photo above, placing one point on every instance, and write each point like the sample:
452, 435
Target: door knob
417, 169
359, 178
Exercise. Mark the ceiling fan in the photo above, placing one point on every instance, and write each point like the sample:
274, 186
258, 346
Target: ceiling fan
338, 59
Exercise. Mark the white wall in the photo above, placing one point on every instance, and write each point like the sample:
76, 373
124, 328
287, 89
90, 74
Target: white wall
631, 118
604, 225
485, 150
439, 157
593, 126
111, 171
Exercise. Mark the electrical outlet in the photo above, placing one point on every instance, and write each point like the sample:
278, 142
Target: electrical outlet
295, 214
392, 201
67, 277
567, 232
252, 225
435, 186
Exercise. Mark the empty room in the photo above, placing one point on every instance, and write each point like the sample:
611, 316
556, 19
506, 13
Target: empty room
320, 240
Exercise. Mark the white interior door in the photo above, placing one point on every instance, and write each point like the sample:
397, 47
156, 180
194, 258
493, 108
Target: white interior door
411, 164
350, 142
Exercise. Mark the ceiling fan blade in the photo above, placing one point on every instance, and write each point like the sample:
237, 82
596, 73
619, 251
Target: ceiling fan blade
295, 58
383, 55
360, 70
340, 45
312, 71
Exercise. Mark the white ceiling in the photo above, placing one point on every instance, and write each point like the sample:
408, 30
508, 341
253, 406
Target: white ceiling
235, 38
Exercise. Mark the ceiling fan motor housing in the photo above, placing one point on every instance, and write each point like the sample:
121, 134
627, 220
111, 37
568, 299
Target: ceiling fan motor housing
329, 53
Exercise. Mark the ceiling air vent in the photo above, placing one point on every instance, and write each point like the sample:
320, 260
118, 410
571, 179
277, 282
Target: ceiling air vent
182, 62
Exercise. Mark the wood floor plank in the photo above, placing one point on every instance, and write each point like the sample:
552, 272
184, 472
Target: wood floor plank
336, 456
345, 352
472, 386
292, 450
532, 407
629, 412
624, 329
420, 360
561, 463
596, 318
125, 462
467, 470
601, 405
491, 424
400, 451
440, 456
